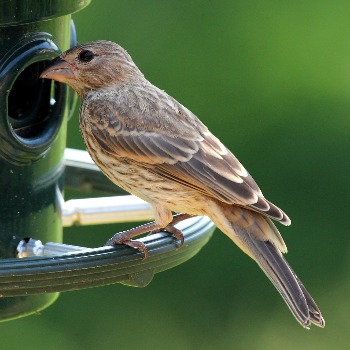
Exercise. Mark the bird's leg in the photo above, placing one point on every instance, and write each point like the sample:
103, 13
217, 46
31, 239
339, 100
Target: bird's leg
125, 237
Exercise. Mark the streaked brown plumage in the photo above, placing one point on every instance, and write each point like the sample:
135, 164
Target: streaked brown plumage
152, 146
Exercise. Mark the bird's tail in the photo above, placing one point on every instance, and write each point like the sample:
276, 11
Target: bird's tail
257, 236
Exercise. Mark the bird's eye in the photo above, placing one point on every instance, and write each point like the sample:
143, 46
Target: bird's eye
86, 56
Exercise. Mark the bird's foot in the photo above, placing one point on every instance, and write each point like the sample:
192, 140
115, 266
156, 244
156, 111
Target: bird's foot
125, 237
170, 228
173, 231
140, 246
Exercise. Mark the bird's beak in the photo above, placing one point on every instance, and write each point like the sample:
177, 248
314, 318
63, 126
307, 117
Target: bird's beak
59, 70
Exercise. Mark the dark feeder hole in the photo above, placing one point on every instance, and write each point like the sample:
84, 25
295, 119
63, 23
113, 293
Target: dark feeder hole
30, 101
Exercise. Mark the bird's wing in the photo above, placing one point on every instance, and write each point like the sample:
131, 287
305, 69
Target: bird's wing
181, 150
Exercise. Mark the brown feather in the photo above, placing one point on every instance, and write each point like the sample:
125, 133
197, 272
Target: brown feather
186, 153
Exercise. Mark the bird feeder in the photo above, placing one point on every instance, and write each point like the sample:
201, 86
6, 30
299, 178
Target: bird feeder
35, 166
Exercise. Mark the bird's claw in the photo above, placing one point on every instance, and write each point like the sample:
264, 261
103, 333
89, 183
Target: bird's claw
173, 231
140, 246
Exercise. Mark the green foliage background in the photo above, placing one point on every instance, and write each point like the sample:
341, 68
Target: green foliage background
272, 80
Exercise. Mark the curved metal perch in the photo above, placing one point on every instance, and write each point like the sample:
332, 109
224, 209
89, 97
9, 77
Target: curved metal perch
64, 267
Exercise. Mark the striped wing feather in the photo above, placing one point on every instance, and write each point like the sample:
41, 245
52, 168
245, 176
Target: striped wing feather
183, 151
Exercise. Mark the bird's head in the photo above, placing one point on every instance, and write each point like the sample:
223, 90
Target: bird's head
92, 66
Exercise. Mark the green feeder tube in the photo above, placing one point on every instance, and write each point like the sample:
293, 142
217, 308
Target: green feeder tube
33, 120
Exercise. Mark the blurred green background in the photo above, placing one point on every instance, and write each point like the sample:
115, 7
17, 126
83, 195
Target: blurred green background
272, 80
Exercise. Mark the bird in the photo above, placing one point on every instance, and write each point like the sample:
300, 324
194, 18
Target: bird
152, 146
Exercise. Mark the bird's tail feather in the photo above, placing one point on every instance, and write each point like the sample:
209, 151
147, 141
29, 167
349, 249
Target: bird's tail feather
287, 283
272, 262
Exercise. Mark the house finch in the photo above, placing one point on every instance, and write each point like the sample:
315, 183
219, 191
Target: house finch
153, 147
